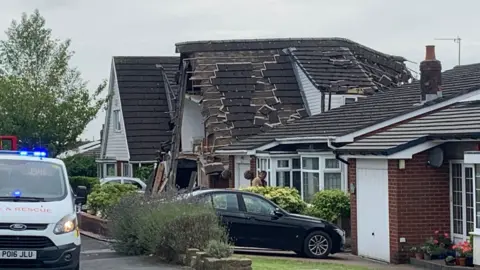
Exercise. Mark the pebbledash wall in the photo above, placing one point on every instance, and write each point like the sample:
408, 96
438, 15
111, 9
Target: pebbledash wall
418, 203
231, 166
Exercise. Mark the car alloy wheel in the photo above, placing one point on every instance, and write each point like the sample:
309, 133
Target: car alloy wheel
318, 245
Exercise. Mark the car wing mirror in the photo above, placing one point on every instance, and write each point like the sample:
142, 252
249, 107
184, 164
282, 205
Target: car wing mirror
277, 213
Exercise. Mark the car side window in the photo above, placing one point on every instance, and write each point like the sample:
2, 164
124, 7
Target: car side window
131, 182
256, 205
225, 201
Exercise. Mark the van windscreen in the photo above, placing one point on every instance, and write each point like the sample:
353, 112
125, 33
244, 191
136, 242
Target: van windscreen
36, 179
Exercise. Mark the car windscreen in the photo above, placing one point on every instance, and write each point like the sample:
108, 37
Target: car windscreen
32, 179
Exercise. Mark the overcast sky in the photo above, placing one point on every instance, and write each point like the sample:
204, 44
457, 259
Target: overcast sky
100, 29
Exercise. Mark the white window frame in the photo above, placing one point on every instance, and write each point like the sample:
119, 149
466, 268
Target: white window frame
322, 157
105, 169
464, 201
265, 164
476, 174
116, 120
129, 167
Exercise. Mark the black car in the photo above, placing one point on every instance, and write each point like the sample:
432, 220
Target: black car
254, 221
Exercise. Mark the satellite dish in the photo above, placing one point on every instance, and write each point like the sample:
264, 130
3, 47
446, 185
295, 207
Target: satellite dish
435, 157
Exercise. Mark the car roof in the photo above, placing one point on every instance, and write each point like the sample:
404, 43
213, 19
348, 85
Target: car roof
223, 190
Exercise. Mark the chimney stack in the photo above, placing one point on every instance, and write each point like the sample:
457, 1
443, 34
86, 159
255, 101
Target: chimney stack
430, 76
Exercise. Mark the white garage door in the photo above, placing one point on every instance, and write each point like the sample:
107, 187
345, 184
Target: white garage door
373, 237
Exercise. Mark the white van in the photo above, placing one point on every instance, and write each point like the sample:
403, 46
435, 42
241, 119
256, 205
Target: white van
38, 217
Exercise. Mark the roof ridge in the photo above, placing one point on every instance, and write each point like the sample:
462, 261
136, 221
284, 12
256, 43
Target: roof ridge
286, 39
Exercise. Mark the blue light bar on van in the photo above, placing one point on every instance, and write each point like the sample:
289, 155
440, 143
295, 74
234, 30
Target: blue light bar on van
25, 153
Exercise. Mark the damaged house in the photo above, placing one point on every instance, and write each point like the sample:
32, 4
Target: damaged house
238, 88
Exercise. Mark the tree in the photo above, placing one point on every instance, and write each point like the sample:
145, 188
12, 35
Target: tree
44, 101
78, 165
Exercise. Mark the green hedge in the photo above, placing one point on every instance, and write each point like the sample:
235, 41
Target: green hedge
88, 182
79, 165
165, 227
287, 198
330, 205
103, 197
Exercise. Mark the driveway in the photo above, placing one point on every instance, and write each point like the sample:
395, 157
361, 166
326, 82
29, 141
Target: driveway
98, 255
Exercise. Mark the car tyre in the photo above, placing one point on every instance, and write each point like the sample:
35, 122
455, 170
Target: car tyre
317, 245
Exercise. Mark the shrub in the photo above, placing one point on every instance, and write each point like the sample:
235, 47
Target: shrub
88, 182
143, 172
329, 205
79, 165
103, 197
287, 198
219, 249
163, 226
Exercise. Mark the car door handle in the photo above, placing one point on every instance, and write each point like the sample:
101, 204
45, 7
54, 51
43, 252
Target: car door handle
250, 217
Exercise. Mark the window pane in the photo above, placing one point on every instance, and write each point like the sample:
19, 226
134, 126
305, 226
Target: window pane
333, 180
268, 165
257, 205
126, 169
296, 163
225, 201
310, 163
477, 188
331, 163
310, 185
297, 181
111, 170
283, 163
283, 179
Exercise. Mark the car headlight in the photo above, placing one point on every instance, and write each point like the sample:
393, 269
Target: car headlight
67, 224
340, 232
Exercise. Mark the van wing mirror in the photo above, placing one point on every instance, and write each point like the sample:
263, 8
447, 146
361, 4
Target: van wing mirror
81, 195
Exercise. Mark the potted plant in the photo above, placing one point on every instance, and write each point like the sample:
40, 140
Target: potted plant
418, 251
463, 250
442, 240
450, 260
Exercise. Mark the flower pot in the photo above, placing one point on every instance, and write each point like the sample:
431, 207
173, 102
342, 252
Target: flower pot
469, 261
419, 256
462, 261
427, 256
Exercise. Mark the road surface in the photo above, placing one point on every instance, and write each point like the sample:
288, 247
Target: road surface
98, 255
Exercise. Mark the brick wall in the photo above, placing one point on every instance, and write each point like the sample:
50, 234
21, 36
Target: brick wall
253, 164
419, 203
352, 179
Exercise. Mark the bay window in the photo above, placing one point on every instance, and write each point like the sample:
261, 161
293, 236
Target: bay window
307, 174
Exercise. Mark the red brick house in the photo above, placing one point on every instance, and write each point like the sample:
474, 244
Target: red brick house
411, 164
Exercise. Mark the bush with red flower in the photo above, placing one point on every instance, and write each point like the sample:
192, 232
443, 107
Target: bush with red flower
442, 239
463, 249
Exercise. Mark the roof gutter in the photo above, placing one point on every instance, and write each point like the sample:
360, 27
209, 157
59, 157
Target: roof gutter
337, 155
294, 140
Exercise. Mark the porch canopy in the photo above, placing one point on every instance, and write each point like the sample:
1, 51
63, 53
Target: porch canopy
459, 122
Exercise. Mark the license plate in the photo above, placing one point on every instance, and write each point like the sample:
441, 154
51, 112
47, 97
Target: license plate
18, 254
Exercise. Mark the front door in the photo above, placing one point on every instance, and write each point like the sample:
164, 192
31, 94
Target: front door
240, 181
461, 198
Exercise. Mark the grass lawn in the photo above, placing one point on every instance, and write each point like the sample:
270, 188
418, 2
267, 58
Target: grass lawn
263, 263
